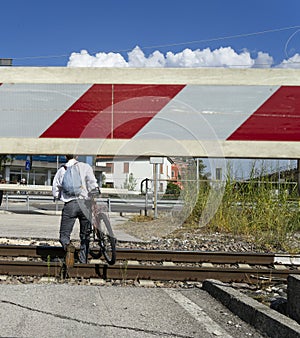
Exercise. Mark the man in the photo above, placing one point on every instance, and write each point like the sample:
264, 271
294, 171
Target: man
75, 206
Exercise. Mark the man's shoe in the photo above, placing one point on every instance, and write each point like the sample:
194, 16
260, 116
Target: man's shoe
70, 255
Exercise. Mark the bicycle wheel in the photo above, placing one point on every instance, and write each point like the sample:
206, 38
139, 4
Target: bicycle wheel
107, 241
95, 248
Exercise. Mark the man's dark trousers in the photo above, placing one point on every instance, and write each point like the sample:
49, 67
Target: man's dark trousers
77, 208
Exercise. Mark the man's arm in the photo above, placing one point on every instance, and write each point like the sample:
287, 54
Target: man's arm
56, 184
91, 181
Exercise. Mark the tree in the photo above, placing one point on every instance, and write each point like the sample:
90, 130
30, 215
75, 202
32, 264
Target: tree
4, 159
130, 182
103, 180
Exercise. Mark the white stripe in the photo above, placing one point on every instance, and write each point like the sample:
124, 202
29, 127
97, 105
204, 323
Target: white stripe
206, 112
27, 110
196, 312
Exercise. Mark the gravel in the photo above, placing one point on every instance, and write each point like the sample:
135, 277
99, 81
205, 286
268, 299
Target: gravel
163, 234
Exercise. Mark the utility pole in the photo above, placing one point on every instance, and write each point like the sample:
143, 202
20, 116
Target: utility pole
156, 161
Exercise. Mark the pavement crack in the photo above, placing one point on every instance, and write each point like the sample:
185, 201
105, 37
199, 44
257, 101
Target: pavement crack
121, 327
106, 307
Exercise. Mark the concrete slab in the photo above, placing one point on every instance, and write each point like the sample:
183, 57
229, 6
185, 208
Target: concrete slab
62, 310
266, 320
34, 224
293, 297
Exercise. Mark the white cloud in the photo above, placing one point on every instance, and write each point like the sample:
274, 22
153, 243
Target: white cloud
137, 59
263, 60
293, 62
84, 59
222, 57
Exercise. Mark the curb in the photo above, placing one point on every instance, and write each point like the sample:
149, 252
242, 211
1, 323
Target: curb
258, 315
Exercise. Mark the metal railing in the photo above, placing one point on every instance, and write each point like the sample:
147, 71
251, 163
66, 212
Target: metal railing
45, 202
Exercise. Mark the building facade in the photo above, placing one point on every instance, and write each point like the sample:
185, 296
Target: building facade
130, 173
39, 169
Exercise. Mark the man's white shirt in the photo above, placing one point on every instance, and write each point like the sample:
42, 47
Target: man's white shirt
89, 181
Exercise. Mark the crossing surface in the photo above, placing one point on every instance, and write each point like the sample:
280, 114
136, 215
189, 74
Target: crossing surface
48, 308
95, 311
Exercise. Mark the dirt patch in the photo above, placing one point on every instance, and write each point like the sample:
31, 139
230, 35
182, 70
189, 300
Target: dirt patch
148, 229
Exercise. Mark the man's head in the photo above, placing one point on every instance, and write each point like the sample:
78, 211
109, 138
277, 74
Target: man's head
69, 157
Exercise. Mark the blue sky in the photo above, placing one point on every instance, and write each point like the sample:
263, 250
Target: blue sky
56, 29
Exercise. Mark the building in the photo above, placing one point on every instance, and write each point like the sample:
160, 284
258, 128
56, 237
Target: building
112, 172
39, 169
130, 173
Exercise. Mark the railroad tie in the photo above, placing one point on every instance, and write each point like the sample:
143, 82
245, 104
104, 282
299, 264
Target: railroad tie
280, 267
244, 266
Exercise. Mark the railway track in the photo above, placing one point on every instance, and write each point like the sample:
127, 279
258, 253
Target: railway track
24, 260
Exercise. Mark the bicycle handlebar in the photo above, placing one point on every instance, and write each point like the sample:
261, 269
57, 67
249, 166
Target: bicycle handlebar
95, 192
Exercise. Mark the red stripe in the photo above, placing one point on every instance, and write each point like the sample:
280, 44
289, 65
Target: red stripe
136, 105
278, 119
94, 116
78, 117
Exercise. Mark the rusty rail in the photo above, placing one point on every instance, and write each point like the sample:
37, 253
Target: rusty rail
135, 272
138, 264
152, 255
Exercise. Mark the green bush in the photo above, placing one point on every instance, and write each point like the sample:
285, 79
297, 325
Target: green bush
172, 191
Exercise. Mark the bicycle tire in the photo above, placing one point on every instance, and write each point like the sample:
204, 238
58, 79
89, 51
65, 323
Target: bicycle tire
95, 249
107, 241
104, 239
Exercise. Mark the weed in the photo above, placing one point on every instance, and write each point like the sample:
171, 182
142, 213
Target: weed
123, 269
141, 218
259, 208
49, 266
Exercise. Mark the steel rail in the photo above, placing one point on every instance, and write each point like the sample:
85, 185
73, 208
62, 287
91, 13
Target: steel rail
138, 264
159, 255
137, 272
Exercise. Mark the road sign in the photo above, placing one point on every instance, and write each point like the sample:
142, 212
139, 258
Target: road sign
28, 163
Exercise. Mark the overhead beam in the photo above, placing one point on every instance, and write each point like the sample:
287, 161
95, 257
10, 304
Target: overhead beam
203, 112
200, 76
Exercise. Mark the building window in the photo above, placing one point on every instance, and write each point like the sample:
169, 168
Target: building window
110, 167
126, 168
161, 168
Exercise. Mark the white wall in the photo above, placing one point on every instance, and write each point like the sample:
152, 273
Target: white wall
140, 171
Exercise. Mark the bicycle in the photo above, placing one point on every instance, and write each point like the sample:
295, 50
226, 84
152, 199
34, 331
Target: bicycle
103, 241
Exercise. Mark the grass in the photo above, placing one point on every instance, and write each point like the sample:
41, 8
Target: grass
141, 218
260, 209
